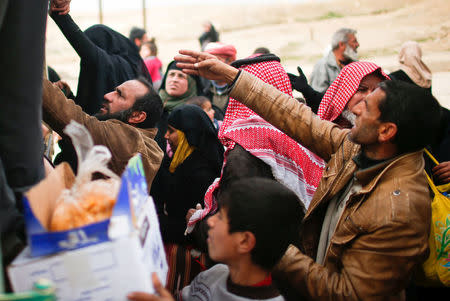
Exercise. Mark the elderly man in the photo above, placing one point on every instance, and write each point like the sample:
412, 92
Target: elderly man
343, 51
367, 226
125, 123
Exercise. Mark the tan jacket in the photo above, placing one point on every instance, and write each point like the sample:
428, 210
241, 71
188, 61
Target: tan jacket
123, 140
382, 234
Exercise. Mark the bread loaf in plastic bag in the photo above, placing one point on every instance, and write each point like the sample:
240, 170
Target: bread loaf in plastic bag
87, 201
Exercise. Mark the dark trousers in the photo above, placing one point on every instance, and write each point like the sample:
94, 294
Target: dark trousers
22, 36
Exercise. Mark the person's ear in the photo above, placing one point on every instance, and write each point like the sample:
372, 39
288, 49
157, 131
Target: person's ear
342, 45
247, 242
137, 117
387, 132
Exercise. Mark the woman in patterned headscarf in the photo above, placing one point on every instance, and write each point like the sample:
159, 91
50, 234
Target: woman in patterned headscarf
353, 84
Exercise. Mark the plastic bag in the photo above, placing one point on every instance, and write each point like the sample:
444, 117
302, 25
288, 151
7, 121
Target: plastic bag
437, 267
86, 201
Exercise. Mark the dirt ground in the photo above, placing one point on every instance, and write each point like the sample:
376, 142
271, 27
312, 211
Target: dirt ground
298, 33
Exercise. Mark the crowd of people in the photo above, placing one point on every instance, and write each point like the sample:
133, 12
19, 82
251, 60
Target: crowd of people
259, 195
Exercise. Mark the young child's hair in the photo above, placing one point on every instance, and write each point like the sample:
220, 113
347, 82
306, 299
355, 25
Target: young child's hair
152, 47
197, 100
269, 210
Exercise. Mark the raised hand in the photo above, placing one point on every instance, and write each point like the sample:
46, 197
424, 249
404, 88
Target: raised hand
61, 6
205, 65
300, 82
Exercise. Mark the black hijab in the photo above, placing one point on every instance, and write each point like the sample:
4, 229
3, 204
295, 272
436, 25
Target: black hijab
117, 60
199, 131
107, 59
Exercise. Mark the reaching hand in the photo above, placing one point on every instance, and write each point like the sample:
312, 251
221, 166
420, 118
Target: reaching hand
164, 294
192, 211
442, 172
300, 82
205, 65
64, 86
61, 6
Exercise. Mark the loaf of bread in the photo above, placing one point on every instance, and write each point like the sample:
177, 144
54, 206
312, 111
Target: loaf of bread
92, 202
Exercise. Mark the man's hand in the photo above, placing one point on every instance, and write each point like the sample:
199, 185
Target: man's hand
192, 211
61, 6
64, 86
205, 65
300, 82
442, 172
164, 294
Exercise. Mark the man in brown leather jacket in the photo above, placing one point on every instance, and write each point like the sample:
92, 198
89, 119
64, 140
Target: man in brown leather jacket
125, 123
366, 229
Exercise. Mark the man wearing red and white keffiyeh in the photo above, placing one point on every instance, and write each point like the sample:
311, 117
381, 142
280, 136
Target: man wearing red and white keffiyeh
353, 84
292, 165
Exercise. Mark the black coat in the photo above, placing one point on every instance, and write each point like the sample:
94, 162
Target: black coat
176, 193
107, 59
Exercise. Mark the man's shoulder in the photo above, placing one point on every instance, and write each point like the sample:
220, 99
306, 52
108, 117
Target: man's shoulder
321, 62
326, 64
206, 283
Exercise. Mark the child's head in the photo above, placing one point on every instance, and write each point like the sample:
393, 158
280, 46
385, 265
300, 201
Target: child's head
204, 103
149, 49
257, 216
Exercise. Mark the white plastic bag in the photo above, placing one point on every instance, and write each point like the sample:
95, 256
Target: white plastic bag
87, 201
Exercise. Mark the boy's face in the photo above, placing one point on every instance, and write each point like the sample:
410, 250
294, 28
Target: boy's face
222, 245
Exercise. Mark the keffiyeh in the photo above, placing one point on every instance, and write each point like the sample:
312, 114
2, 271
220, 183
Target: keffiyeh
292, 165
343, 88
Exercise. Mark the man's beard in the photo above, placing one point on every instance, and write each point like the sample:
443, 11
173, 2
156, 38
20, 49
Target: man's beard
349, 116
123, 115
350, 53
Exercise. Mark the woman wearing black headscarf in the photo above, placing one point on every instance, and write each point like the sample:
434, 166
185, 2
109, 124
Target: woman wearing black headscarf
107, 59
183, 178
181, 183
176, 88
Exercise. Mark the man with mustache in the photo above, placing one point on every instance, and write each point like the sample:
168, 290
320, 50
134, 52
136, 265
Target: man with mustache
125, 123
366, 229
343, 51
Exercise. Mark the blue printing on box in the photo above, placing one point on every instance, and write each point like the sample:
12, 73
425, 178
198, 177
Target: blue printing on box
133, 187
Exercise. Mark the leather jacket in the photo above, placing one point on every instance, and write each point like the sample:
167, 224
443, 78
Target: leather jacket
382, 234
123, 140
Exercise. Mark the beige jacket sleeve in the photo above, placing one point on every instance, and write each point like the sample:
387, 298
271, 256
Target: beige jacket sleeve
289, 115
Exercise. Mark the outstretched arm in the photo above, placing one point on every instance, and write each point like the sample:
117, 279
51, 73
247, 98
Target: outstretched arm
276, 107
84, 47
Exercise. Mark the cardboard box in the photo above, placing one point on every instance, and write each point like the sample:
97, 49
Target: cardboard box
101, 261
40, 202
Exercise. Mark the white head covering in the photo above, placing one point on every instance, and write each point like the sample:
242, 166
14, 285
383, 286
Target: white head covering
411, 63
